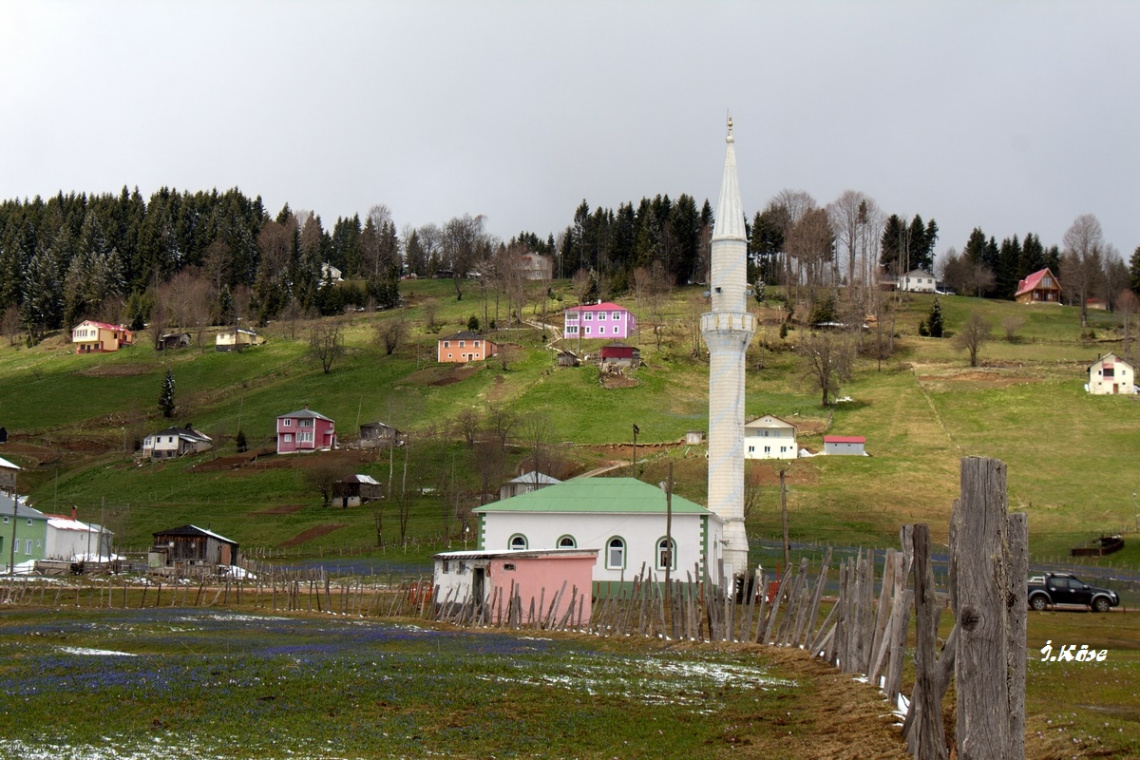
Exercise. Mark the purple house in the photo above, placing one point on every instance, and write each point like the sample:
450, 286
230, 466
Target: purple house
602, 320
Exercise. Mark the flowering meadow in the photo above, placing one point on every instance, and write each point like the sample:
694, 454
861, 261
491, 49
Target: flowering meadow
167, 683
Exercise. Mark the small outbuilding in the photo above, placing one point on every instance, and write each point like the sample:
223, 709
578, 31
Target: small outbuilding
173, 340
377, 435
620, 354
567, 359
354, 490
189, 546
1110, 375
845, 445
237, 339
694, 437
560, 580
8, 472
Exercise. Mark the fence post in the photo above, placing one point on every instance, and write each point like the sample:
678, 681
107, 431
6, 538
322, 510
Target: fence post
984, 581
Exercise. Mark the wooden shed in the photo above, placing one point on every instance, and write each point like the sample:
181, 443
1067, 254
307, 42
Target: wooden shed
354, 490
377, 435
189, 545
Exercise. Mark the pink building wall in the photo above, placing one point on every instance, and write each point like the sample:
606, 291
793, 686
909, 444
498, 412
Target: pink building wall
533, 574
289, 434
602, 321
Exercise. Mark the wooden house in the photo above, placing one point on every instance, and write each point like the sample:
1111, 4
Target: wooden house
8, 473
188, 546
305, 430
845, 445
567, 359
175, 442
173, 340
237, 339
1110, 374
620, 354
96, 337
463, 347
548, 577
1039, 287
377, 435
354, 490
770, 437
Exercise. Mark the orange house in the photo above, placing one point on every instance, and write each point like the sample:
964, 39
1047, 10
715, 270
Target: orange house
465, 347
91, 337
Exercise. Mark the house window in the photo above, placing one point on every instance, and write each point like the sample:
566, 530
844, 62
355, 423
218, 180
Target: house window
567, 542
767, 449
587, 330
601, 315
616, 315
306, 423
286, 422
615, 554
28, 545
39, 543
463, 344
517, 543
751, 449
1109, 370
475, 344
571, 316
450, 355
509, 566
601, 329
665, 557
588, 316
287, 438
447, 344
304, 437
5, 520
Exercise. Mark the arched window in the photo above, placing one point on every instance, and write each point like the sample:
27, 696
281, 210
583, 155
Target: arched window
615, 554
517, 542
666, 554
567, 542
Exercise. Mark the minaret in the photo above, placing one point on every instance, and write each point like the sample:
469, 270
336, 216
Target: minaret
727, 330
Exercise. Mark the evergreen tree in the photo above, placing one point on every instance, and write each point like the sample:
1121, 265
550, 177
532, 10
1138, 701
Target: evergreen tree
1032, 256
166, 397
894, 244
934, 321
43, 305
1006, 275
473, 323
1134, 271
242, 444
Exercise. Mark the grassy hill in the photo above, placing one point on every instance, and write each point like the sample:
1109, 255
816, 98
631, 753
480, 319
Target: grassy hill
74, 421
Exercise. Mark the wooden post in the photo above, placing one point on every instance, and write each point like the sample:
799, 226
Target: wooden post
983, 584
784, 518
930, 740
1017, 610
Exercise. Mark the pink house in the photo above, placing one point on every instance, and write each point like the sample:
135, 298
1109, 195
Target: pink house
602, 320
554, 578
304, 430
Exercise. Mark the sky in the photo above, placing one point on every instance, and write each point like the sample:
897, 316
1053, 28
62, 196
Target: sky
1011, 116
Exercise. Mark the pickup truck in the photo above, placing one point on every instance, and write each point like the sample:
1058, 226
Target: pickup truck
1066, 588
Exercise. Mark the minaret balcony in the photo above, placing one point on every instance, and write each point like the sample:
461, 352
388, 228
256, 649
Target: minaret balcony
727, 321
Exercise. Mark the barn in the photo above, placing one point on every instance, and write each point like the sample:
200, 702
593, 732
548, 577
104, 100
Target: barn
189, 545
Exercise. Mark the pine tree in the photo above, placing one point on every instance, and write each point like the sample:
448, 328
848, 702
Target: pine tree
166, 398
934, 321
242, 443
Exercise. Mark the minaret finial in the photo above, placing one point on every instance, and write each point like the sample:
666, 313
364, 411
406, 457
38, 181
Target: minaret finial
729, 138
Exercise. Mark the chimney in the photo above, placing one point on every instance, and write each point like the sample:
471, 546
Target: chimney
74, 513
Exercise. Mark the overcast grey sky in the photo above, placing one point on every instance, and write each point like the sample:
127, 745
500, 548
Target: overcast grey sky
1011, 116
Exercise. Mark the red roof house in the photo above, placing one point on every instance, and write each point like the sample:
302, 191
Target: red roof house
1039, 287
304, 430
849, 445
90, 336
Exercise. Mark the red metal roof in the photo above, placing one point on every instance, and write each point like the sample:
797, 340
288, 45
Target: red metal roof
844, 439
1033, 280
607, 306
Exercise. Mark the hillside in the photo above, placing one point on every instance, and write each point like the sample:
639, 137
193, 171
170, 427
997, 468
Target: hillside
74, 420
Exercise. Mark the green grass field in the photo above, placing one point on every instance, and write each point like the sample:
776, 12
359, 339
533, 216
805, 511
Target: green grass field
75, 419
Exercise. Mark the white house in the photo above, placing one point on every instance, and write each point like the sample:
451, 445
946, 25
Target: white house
623, 517
525, 483
917, 281
72, 540
769, 437
329, 273
1110, 374
174, 442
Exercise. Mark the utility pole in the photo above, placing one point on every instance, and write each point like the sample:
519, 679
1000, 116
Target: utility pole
636, 430
784, 513
668, 535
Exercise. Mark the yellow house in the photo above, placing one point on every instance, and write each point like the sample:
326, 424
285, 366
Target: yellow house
237, 339
92, 337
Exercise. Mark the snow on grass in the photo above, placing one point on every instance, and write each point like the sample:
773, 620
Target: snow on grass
95, 652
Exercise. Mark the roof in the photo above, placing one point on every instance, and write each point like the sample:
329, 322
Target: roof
367, 480
6, 465
465, 335
844, 439
102, 325
1110, 357
184, 432
769, 421
605, 306
729, 222
1032, 281
22, 508
596, 495
60, 522
304, 414
918, 273
193, 530
533, 477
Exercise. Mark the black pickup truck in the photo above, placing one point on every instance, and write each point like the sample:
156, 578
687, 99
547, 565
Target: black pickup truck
1066, 588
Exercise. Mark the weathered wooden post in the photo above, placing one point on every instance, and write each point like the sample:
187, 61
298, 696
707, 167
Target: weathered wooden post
988, 569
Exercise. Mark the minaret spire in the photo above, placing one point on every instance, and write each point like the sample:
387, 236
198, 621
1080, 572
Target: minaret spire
727, 330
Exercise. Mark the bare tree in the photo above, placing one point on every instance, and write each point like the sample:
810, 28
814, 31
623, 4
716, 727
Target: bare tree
849, 214
431, 308
391, 333
1011, 325
537, 437
828, 361
973, 336
500, 422
507, 353
324, 477
490, 462
326, 344
10, 325
1081, 261
1127, 304
467, 423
